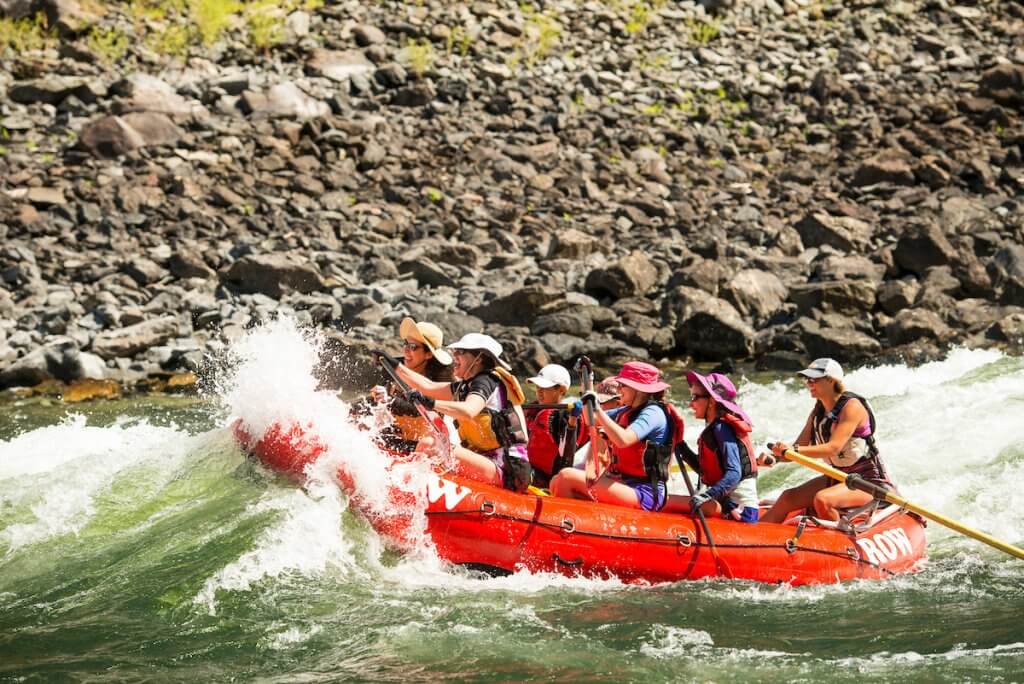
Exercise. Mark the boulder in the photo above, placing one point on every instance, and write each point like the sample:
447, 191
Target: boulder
911, 325
708, 327
844, 343
127, 342
845, 233
521, 307
112, 136
284, 100
923, 247
60, 360
1004, 83
338, 66
572, 244
842, 296
273, 275
897, 295
427, 273
890, 166
141, 92
1006, 268
756, 294
630, 276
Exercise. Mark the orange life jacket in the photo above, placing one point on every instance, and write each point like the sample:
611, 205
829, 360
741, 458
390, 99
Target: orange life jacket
646, 459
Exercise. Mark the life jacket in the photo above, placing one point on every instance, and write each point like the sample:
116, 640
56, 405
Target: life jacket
711, 458
548, 431
646, 459
494, 429
860, 454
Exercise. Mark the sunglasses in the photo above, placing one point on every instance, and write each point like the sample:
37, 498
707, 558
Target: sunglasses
698, 397
812, 381
412, 346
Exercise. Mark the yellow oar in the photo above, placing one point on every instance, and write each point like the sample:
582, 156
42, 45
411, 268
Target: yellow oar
879, 492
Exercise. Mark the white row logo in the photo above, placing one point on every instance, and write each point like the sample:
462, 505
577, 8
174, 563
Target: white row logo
452, 493
887, 545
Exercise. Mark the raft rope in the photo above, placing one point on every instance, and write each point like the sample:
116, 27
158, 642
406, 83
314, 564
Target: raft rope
791, 546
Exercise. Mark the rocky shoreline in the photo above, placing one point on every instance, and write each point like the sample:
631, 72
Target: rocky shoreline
761, 181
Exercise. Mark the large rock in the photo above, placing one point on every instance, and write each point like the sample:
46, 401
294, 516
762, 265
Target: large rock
59, 360
112, 136
521, 307
630, 276
572, 244
889, 166
845, 233
922, 248
896, 295
141, 92
911, 325
842, 296
284, 100
1004, 83
339, 66
1006, 268
755, 294
845, 343
273, 275
708, 327
126, 342
53, 90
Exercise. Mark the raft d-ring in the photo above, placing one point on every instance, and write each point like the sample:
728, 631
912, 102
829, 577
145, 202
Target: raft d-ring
684, 541
487, 508
791, 546
852, 552
568, 525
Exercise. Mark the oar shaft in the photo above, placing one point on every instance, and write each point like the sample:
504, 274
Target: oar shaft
891, 497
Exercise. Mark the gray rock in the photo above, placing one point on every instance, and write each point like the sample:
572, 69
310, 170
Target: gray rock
368, 35
630, 276
889, 166
845, 233
142, 92
521, 307
273, 275
112, 136
129, 341
853, 297
911, 325
338, 66
922, 248
1004, 83
708, 327
845, 343
755, 294
896, 295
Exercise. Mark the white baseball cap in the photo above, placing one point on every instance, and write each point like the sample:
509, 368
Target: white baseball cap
823, 368
481, 342
551, 375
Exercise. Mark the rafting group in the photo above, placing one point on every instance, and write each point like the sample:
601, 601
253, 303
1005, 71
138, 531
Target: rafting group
624, 424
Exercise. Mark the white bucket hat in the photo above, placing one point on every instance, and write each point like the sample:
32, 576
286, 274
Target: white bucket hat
481, 342
823, 368
429, 335
550, 376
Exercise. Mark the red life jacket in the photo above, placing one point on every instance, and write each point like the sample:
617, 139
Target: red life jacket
711, 459
645, 459
546, 428
542, 447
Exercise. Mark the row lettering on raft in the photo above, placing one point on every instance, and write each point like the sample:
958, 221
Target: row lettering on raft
886, 546
452, 493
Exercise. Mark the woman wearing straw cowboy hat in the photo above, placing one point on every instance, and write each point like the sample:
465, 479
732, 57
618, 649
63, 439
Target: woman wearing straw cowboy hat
485, 401
725, 457
423, 353
841, 432
641, 434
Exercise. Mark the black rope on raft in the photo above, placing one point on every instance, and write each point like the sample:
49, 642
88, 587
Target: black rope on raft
790, 546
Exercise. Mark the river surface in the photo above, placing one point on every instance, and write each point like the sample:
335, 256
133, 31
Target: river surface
138, 543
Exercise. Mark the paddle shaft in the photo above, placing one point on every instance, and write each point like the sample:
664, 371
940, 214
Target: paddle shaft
587, 385
879, 492
700, 516
443, 438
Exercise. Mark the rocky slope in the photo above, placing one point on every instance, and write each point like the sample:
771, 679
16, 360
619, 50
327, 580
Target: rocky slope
775, 181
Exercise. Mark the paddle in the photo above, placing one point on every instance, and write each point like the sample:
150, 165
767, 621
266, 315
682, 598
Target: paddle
442, 442
594, 467
722, 567
879, 492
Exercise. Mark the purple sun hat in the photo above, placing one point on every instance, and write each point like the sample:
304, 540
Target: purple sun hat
721, 390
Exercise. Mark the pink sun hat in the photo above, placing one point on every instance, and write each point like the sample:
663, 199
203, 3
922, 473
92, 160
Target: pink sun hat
721, 390
643, 377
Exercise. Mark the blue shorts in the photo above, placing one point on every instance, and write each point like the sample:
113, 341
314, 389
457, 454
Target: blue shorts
749, 514
645, 494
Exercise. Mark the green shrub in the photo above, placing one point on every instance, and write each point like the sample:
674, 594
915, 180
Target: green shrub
110, 45
25, 35
418, 56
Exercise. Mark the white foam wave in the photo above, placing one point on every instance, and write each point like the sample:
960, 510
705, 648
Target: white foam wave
52, 475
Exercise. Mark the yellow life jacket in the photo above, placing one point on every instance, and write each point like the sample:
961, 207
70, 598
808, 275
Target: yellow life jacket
491, 429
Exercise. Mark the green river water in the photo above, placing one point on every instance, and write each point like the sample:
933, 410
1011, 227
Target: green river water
138, 544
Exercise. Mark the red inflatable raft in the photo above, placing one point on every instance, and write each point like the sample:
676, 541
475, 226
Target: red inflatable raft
481, 526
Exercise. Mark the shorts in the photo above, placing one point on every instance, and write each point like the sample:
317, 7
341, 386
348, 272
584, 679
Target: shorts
732, 510
645, 494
